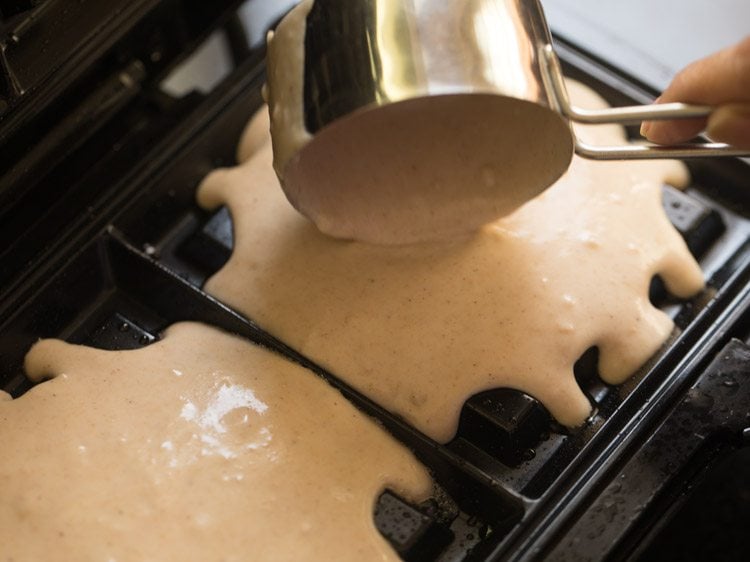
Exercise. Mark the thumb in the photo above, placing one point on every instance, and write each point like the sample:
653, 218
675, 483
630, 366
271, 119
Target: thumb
730, 124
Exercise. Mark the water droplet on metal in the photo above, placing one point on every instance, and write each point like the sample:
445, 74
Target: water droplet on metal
151, 251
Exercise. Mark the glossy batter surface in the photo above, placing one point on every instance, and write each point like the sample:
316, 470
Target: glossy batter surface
199, 447
420, 328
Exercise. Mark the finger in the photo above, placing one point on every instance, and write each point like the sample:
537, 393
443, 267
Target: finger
723, 77
731, 124
719, 79
672, 132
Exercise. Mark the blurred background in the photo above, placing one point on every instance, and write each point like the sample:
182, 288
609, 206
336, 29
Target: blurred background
649, 39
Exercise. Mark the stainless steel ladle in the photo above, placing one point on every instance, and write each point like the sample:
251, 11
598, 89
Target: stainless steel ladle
363, 63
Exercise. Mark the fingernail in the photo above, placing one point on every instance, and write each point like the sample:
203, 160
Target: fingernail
646, 125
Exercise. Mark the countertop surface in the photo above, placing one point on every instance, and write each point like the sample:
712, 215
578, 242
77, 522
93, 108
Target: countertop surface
650, 39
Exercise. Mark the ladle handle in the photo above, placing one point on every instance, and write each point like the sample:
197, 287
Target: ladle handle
555, 84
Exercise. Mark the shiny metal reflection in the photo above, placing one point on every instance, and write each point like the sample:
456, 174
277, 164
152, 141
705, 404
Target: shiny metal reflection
365, 56
371, 53
553, 76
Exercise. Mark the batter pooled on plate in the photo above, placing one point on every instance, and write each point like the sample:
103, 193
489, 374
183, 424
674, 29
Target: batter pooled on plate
420, 328
198, 447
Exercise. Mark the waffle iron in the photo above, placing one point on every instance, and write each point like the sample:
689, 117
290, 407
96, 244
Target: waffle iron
102, 243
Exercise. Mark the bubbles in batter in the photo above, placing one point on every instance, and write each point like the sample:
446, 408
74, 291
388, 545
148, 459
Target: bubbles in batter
420, 328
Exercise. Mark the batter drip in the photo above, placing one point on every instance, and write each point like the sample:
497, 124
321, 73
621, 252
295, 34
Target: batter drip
420, 328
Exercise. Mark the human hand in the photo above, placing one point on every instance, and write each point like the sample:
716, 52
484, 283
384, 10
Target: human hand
721, 80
